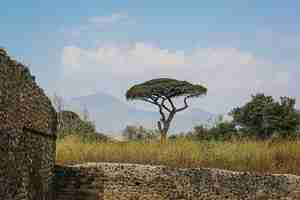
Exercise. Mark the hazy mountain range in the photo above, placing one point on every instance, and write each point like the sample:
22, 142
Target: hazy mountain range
111, 115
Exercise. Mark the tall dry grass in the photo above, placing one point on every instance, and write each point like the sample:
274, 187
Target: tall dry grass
259, 156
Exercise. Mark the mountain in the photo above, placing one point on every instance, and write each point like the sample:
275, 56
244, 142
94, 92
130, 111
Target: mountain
111, 115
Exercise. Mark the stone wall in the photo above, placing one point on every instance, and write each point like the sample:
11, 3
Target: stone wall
108, 181
27, 134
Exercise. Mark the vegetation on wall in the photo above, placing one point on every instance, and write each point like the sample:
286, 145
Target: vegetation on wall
70, 123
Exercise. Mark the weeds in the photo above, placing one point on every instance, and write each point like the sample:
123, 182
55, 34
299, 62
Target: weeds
259, 156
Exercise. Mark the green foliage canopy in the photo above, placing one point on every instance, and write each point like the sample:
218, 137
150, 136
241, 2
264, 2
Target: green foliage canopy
263, 116
165, 87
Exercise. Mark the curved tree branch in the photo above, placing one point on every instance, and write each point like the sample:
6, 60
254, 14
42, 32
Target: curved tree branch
155, 102
155, 99
150, 101
185, 105
159, 126
171, 103
163, 116
164, 106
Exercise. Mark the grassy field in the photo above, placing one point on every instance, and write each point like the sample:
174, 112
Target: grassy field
259, 156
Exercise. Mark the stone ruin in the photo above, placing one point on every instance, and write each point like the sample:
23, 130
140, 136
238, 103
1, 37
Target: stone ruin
115, 181
27, 134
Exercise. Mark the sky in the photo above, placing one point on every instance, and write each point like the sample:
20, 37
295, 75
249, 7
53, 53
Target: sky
234, 48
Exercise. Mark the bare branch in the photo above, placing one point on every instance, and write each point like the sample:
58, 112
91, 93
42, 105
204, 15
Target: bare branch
160, 106
185, 105
159, 126
149, 101
163, 116
155, 99
172, 104
164, 106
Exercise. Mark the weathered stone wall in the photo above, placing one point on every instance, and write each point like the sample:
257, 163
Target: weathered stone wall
107, 181
27, 134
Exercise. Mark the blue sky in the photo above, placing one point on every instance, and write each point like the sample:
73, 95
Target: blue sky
80, 47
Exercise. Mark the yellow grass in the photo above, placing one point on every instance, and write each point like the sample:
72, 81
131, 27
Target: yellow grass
259, 156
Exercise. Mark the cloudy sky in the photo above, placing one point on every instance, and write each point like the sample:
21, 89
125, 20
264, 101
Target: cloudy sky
235, 48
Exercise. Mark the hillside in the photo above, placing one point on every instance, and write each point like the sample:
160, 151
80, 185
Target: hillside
111, 115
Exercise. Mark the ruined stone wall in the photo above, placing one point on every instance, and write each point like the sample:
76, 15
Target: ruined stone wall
108, 181
27, 134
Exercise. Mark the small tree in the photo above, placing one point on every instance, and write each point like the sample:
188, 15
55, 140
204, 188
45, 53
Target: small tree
58, 104
161, 92
130, 133
85, 114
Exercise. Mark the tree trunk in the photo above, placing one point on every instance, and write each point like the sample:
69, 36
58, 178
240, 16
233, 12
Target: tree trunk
164, 125
163, 137
163, 131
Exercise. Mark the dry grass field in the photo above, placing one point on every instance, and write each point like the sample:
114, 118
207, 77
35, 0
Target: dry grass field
259, 156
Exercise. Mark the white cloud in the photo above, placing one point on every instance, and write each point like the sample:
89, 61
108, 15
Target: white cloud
230, 74
71, 56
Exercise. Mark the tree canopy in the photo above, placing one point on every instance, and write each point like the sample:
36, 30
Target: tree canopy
164, 87
264, 116
160, 92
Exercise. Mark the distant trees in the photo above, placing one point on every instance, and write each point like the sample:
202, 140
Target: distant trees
263, 116
220, 130
139, 133
70, 123
161, 92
